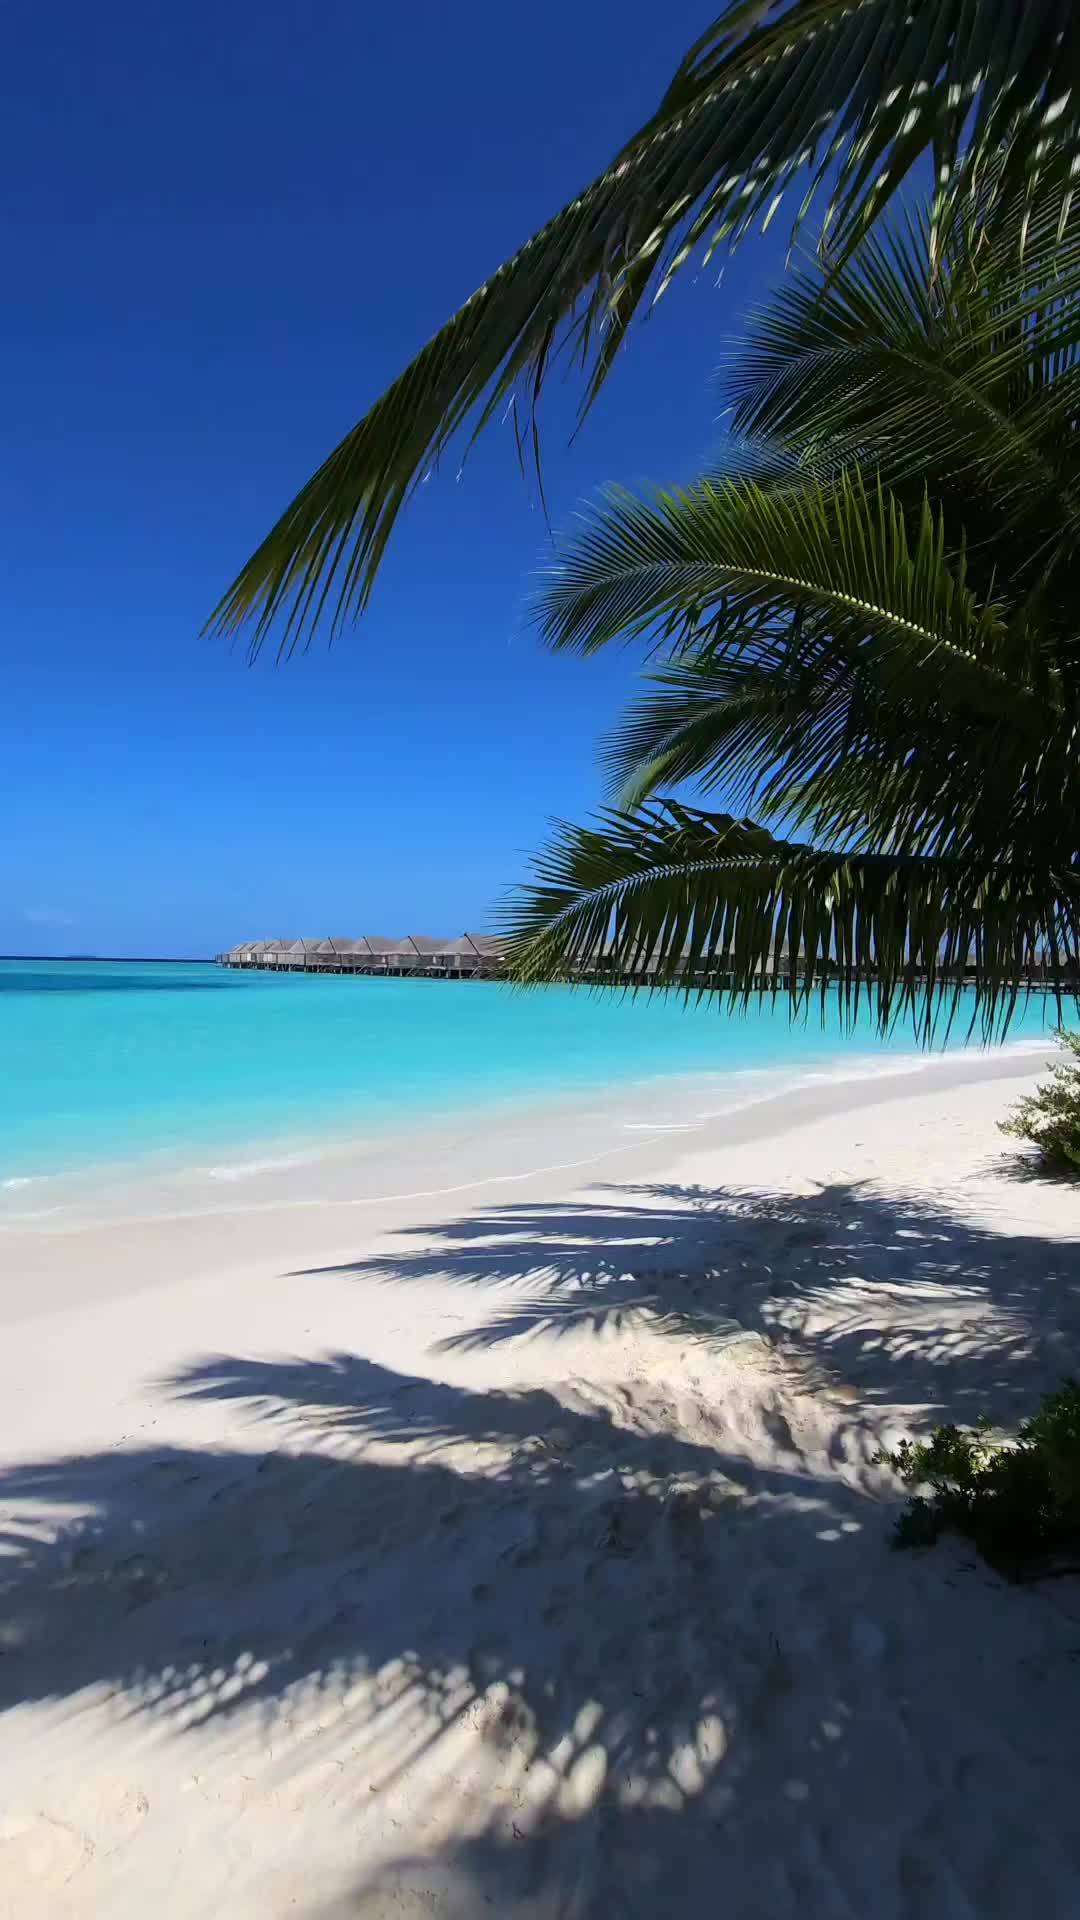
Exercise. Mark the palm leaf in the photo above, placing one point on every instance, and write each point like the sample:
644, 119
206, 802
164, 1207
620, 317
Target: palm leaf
670, 896
962, 382
793, 730
874, 642
842, 557
697, 720
837, 672
788, 734
847, 90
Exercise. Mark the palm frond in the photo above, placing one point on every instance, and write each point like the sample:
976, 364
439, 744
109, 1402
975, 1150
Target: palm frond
842, 557
794, 730
670, 896
962, 382
696, 719
790, 734
852, 91
873, 641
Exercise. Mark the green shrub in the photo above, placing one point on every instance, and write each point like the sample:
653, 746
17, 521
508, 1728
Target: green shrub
1018, 1501
1050, 1117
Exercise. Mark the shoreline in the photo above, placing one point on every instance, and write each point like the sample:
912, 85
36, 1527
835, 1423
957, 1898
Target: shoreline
118, 1080
68, 1200
516, 1543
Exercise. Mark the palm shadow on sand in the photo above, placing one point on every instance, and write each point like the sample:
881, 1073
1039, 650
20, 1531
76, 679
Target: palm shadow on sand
635, 1630
807, 1273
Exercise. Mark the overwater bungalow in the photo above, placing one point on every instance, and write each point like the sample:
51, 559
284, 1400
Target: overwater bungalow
412, 955
426, 951
398, 957
470, 956
277, 953
457, 959
490, 951
352, 955
481, 956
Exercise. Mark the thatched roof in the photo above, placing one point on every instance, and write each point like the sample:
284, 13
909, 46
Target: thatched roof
462, 947
407, 952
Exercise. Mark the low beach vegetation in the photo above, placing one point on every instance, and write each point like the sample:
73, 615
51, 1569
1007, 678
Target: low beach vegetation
1018, 1500
1049, 1118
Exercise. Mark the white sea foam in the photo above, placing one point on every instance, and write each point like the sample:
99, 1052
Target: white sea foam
249, 1169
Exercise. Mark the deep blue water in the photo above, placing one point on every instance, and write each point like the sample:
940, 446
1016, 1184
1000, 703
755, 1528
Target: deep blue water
103, 1060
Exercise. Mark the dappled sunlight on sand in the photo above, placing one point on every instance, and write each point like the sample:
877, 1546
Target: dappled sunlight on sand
585, 1611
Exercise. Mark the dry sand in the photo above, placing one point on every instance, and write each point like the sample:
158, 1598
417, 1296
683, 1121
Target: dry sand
520, 1552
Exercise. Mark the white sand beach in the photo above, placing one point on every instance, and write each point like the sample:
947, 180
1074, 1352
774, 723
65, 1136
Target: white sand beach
507, 1540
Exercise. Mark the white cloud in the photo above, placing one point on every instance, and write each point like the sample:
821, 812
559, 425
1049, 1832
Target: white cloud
48, 917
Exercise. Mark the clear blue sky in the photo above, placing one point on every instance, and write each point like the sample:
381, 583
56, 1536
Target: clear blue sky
226, 227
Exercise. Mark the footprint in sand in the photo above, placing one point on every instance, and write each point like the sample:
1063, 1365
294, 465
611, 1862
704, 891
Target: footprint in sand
43, 1852
47, 1851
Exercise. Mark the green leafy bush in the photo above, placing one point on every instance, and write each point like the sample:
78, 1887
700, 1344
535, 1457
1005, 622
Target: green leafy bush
1018, 1501
1050, 1117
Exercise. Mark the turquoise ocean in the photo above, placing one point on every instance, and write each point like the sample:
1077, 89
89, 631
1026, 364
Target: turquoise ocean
115, 1061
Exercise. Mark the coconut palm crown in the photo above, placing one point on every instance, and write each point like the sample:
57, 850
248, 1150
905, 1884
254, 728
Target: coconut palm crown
869, 634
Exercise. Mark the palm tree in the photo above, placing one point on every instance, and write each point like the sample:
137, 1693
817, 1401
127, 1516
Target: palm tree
846, 93
871, 627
